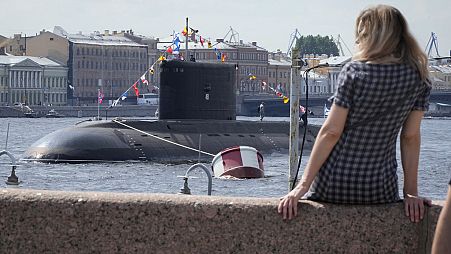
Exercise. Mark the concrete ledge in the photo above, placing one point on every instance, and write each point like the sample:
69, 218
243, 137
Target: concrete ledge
34, 221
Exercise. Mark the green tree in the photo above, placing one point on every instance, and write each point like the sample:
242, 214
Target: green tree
317, 45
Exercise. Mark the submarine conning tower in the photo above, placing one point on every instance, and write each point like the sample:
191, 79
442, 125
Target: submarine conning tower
194, 90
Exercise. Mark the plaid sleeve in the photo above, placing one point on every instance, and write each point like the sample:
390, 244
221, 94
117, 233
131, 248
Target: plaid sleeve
345, 89
422, 101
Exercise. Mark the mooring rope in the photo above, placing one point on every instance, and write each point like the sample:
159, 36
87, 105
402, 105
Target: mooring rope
162, 139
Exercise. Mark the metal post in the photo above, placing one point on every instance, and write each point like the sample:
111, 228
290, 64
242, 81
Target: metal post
7, 136
294, 121
98, 104
186, 41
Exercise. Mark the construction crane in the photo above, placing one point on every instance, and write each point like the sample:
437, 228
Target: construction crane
433, 42
234, 36
293, 38
338, 41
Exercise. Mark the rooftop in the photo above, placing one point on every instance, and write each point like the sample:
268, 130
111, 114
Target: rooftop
12, 60
336, 60
96, 38
219, 45
441, 68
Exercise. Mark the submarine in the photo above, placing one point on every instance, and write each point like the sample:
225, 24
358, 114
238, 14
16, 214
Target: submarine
197, 120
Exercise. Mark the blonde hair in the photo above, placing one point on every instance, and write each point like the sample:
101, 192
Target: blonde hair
382, 35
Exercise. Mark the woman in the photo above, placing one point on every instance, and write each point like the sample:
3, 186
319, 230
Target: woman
383, 90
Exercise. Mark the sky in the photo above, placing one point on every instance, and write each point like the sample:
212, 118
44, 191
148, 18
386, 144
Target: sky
268, 22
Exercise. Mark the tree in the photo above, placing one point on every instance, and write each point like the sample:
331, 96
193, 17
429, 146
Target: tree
317, 45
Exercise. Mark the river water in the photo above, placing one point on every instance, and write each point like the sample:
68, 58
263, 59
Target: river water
148, 177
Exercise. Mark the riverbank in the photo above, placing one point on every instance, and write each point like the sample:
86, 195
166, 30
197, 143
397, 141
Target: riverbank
84, 111
131, 111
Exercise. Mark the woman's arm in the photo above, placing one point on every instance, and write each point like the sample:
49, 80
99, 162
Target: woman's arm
410, 154
326, 139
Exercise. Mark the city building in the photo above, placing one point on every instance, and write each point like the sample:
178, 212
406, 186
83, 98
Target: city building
32, 81
152, 55
441, 77
109, 62
279, 72
3, 40
15, 46
336, 63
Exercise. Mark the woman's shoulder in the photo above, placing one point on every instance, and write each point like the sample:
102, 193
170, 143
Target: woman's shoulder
357, 66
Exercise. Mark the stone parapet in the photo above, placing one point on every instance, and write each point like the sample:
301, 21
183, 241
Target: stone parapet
35, 221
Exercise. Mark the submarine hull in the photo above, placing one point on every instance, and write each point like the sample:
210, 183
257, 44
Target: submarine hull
137, 140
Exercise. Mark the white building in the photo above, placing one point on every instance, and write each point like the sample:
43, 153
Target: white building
336, 63
32, 81
440, 77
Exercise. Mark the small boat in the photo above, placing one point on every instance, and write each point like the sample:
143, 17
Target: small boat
31, 114
53, 114
238, 162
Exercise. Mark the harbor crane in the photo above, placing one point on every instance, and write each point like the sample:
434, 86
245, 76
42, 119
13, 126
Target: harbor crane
293, 38
234, 36
433, 42
340, 40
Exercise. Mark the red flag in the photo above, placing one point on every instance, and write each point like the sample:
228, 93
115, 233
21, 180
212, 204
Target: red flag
144, 80
169, 50
136, 90
100, 97
201, 41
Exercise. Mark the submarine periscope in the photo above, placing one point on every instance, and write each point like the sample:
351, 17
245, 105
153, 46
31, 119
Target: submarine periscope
197, 119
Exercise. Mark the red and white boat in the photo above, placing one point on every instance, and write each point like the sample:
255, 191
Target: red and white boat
239, 162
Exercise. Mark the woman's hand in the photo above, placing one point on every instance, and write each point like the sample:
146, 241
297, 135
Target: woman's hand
288, 205
414, 207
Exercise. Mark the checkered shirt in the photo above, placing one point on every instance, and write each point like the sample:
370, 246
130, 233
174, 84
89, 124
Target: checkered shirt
361, 168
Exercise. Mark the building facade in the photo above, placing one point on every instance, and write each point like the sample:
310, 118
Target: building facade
441, 77
17, 45
109, 62
279, 72
32, 81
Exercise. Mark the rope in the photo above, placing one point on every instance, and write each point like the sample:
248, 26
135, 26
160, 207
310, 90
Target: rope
162, 139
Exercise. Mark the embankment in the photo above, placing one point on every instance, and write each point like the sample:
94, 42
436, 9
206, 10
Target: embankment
85, 111
33, 221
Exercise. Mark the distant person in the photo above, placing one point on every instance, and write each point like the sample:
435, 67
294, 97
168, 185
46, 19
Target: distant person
157, 113
303, 115
442, 238
384, 90
261, 111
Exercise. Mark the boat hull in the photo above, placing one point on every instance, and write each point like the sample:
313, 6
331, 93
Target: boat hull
136, 140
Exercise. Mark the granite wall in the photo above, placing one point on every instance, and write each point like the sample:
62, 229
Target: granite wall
34, 221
